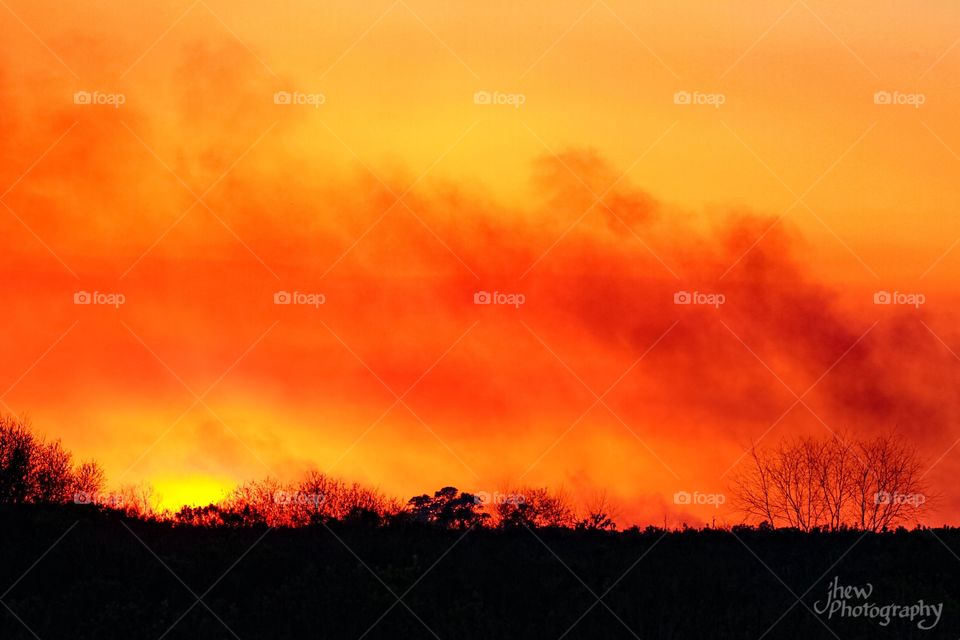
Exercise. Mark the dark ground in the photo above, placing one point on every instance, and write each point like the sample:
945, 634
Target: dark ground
104, 581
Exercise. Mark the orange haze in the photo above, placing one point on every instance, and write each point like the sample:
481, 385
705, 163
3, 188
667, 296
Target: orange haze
396, 193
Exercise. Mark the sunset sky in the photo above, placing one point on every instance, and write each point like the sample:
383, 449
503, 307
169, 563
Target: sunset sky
787, 184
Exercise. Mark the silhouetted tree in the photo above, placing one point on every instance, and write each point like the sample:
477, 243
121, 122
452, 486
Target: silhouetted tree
32, 470
52, 473
829, 484
320, 497
17, 451
88, 481
534, 507
316, 498
256, 502
139, 500
448, 508
209, 516
600, 514
886, 484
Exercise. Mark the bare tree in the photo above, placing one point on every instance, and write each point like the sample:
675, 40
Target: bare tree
886, 487
753, 488
838, 465
32, 470
600, 514
257, 502
17, 451
140, 500
323, 496
52, 473
88, 481
534, 507
316, 498
830, 484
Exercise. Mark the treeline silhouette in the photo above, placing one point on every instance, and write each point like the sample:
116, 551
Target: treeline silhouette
324, 558
803, 483
318, 498
36, 471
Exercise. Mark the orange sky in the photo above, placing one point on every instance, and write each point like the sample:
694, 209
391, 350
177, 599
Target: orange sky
797, 198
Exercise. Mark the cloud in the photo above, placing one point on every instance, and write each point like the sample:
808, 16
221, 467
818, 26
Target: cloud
495, 388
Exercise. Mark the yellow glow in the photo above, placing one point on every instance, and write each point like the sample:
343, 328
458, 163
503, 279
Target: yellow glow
197, 490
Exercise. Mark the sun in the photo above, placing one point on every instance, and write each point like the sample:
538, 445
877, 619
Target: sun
180, 491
